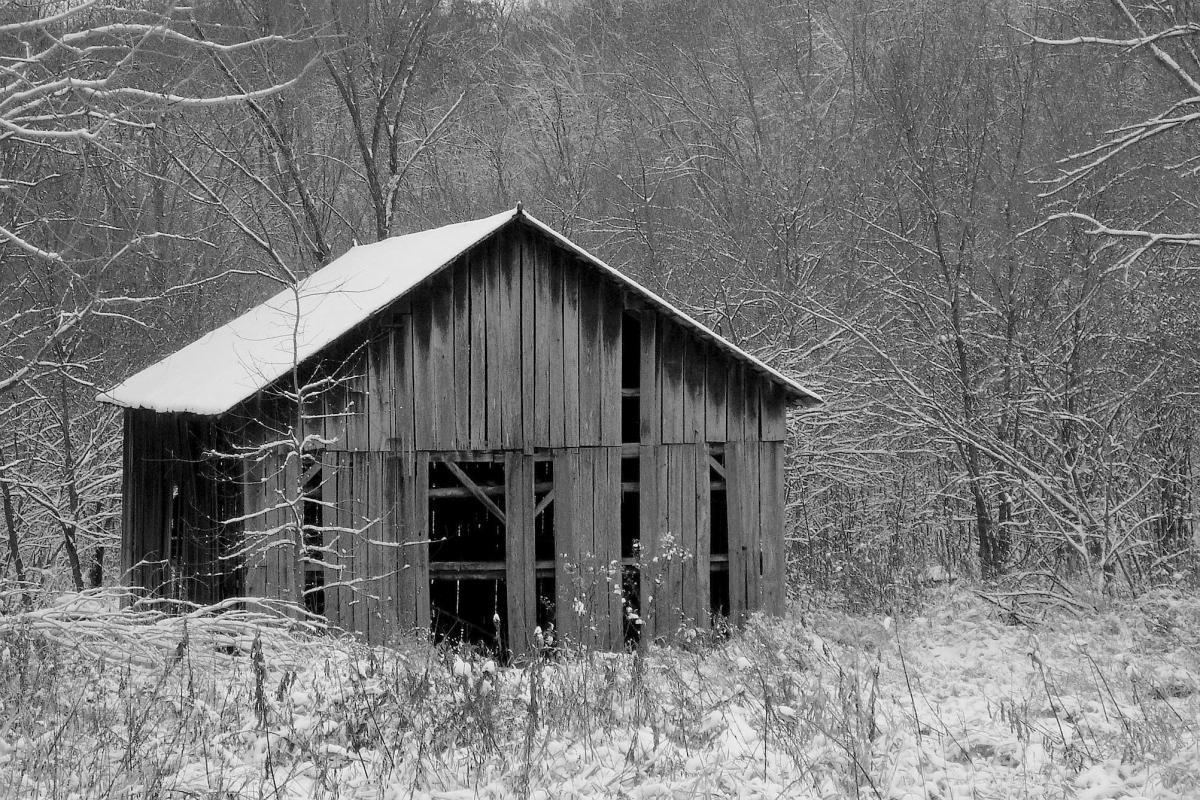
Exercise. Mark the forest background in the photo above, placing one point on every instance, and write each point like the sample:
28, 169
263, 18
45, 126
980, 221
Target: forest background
968, 225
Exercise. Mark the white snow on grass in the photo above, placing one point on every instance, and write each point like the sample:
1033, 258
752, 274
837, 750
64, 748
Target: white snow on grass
951, 703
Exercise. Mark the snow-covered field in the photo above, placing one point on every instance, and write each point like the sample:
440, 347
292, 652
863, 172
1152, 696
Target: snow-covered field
949, 703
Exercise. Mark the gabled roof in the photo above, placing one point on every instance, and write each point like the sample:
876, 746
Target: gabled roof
226, 366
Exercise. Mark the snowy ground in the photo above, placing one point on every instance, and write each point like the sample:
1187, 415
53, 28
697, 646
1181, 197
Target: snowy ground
952, 703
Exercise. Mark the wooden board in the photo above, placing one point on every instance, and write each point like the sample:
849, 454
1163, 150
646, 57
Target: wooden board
566, 554
701, 612
406, 400
537, 264
416, 549
590, 354
441, 358
651, 406
509, 325
424, 392
495, 346
584, 527
555, 356
606, 536
672, 396
478, 401
460, 273
735, 397
771, 505
750, 407
735, 479
751, 530
715, 380
695, 390
688, 532
773, 419
570, 326
530, 366
610, 313
648, 536
519, 552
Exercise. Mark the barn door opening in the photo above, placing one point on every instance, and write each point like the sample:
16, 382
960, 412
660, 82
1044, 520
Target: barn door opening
467, 551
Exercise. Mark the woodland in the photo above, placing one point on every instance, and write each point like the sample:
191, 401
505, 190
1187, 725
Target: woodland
968, 225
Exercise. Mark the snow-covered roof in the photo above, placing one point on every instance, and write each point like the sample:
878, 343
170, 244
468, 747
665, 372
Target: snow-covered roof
226, 366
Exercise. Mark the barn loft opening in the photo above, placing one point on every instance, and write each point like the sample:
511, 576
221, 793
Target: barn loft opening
467, 587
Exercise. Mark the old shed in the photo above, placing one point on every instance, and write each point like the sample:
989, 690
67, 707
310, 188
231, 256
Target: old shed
477, 423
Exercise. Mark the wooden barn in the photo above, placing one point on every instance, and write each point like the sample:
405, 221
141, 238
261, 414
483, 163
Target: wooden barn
476, 430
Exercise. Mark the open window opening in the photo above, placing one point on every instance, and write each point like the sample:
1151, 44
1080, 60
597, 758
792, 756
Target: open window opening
543, 545
631, 527
314, 542
631, 378
467, 588
718, 602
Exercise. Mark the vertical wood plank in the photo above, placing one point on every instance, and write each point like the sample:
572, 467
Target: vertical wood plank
616, 618
419, 540
518, 552
352, 551
570, 326
386, 391
589, 359
771, 505
393, 533
773, 419
344, 522
611, 309
406, 399
735, 480
703, 560
651, 405
477, 267
676, 525
566, 553
715, 380
735, 398
510, 334
695, 390
752, 530
368, 567
648, 537
460, 273
424, 397
672, 382
557, 354
441, 357
494, 318
537, 253
584, 528
690, 544
750, 407
530, 406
